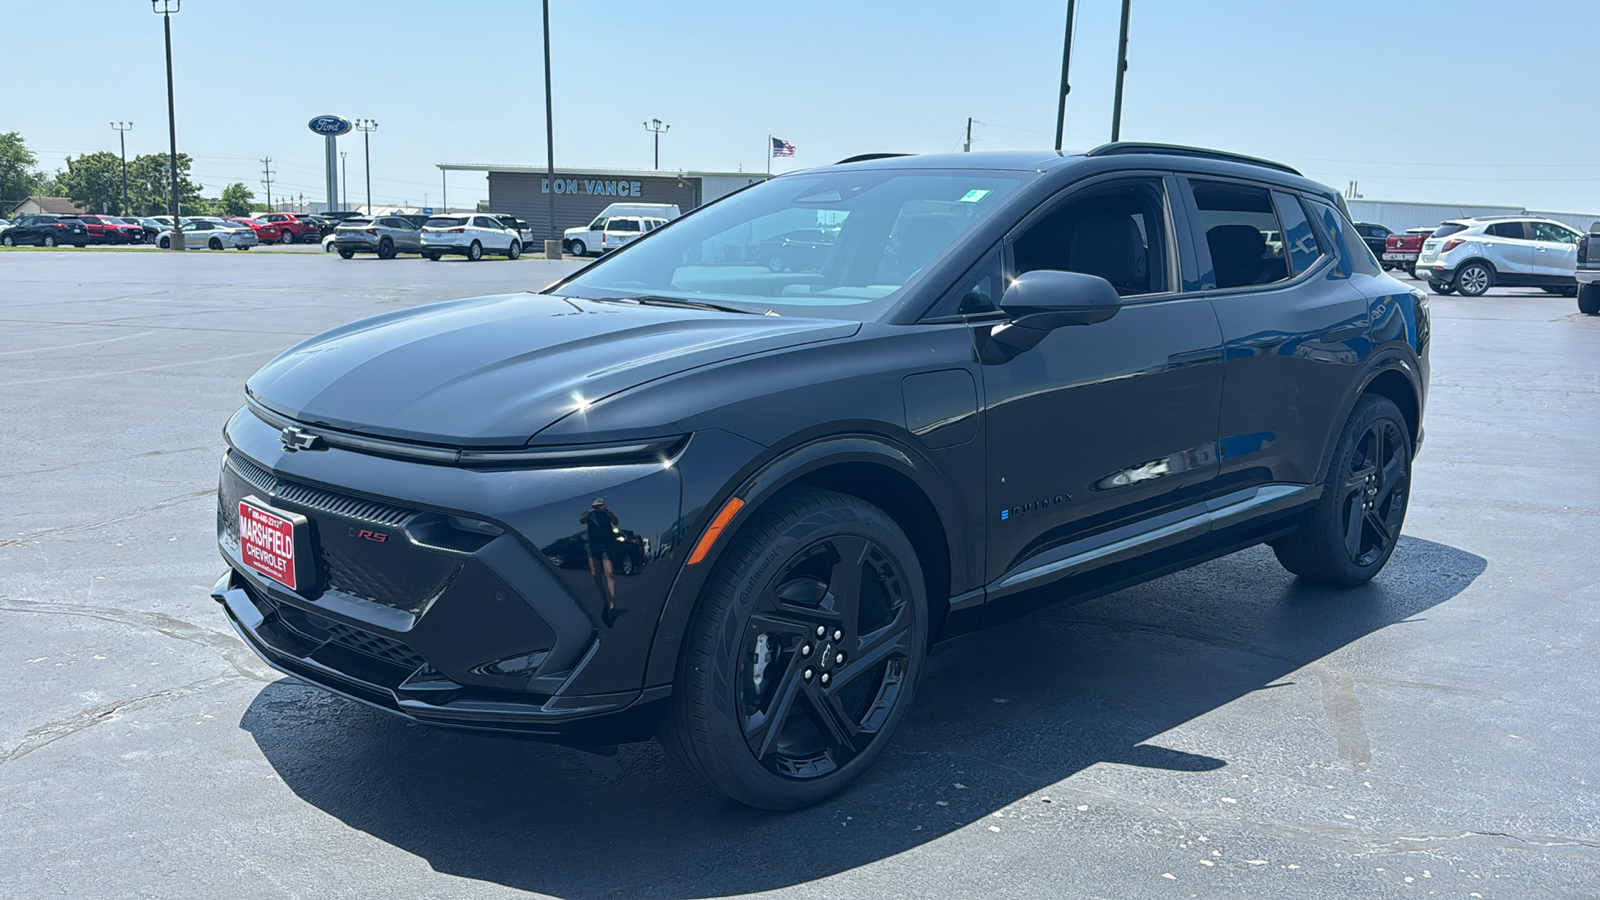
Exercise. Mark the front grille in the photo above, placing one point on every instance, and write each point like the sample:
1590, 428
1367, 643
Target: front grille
323, 630
325, 501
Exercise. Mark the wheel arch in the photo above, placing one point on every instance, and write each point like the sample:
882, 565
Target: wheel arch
1395, 375
878, 470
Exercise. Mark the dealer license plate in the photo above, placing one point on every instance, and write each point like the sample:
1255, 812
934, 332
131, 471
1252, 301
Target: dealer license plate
267, 541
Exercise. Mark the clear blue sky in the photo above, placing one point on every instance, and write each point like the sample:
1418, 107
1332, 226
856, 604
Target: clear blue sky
1326, 86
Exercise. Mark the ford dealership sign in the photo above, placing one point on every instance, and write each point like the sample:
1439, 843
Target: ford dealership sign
330, 126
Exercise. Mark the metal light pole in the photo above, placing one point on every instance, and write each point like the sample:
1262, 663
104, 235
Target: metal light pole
165, 9
552, 246
1066, 63
655, 127
1122, 68
367, 127
122, 138
344, 173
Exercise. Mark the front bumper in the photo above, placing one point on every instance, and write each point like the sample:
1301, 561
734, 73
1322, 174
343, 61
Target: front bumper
404, 608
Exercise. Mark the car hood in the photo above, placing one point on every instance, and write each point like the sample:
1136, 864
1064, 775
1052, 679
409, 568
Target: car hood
494, 371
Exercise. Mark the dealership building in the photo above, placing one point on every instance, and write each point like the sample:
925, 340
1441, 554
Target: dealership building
581, 194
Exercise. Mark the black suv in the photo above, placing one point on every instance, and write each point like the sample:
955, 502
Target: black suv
681, 494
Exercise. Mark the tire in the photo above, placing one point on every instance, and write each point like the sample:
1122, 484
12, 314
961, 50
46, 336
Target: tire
49, 240
242, 247
1412, 272
386, 249
214, 244
775, 263
1349, 535
578, 249
515, 251
164, 243
475, 252
347, 254
432, 257
80, 246
1589, 299
723, 710
8, 241
285, 238
1441, 288
1474, 279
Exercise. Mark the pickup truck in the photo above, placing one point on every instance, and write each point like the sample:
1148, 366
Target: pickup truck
1400, 251
1588, 272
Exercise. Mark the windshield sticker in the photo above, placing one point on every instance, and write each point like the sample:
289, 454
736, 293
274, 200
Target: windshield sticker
974, 195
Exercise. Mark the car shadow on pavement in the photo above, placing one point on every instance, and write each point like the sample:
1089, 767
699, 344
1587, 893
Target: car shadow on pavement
1002, 716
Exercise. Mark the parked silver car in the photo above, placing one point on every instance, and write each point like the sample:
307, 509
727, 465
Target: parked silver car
1469, 256
212, 235
469, 234
383, 235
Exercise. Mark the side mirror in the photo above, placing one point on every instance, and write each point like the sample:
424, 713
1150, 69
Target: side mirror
1043, 300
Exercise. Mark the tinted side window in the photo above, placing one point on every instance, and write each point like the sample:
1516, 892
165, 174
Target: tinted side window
1299, 240
1117, 232
1506, 230
1352, 252
976, 293
1242, 233
623, 225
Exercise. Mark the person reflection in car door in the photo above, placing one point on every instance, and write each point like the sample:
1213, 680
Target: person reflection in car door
600, 540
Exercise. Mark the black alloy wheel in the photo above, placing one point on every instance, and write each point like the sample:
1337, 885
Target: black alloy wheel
775, 263
1441, 288
1474, 279
475, 252
1348, 536
386, 249
164, 243
215, 244
804, 654
346, 254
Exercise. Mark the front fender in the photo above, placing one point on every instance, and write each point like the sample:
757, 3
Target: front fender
764, 478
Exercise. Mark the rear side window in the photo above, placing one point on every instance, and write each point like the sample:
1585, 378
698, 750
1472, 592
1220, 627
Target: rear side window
1349, 247
1507, 230
1242, 233
483, 222
445, 222
1299, 241
623, 225
1448, 229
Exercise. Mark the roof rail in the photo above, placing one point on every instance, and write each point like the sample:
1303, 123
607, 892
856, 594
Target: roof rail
866, 156
1124, 147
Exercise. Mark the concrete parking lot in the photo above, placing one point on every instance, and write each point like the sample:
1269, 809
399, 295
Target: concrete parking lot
1224, 731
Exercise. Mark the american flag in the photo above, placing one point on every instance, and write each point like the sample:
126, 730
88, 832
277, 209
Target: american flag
781, 148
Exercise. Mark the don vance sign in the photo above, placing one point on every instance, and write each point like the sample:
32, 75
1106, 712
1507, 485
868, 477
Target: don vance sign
586, 186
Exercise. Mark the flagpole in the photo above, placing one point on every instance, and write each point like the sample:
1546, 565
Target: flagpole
769, 154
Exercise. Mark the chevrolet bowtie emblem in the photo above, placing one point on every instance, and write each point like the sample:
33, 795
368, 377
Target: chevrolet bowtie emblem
294, 438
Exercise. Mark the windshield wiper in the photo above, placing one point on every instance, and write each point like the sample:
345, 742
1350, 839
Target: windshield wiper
694, 304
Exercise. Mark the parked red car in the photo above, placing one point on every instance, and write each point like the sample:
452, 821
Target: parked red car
1400, 251
291, 227
109, 230
266, 232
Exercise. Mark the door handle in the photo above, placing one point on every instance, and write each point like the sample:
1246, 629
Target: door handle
1194, 357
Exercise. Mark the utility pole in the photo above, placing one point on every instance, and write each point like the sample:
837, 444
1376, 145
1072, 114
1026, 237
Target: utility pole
1066, 65
554, 243
655, 127
967, 147
344, 174
444, 197
367, 127
266, 179
165, 9
122, 137
1122, 69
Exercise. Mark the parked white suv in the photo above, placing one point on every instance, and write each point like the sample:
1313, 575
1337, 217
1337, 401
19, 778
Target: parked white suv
469, 234
1470, 256
586, 239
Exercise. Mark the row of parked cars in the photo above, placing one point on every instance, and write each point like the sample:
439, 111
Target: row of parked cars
83, 229
1470, 255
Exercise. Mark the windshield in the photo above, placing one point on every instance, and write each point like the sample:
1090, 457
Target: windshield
1448, 229
444, 222
765, 246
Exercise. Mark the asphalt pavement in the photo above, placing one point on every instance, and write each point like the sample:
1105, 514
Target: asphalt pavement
1221, 732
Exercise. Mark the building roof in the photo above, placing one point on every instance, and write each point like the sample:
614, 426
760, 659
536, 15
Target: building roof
58, 206
567, 170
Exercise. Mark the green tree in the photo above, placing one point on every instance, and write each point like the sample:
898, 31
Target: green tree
18, 178
94, 180
150, 186
236, 200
